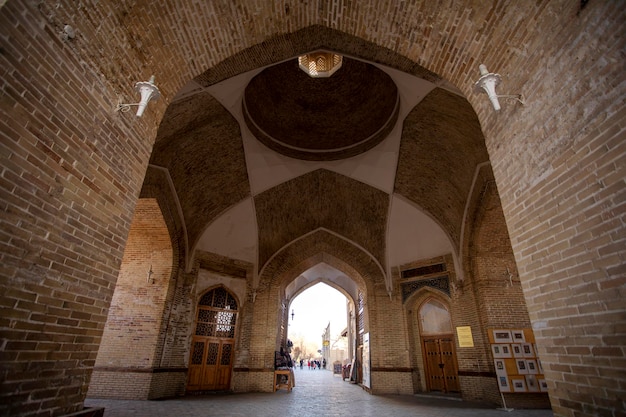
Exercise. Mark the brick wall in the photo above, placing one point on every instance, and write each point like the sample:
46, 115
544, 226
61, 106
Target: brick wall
486, 298
564, 204
71, 174
133, 334
72, 168
496, 289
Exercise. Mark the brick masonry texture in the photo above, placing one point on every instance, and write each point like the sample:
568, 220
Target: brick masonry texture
73, 170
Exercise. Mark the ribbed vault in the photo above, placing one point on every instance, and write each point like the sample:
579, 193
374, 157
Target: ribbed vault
199, 143
322, 199
441, 146
316, 247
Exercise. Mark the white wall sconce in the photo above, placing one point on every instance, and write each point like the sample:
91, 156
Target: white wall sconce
488, 82
148, 92
68, 33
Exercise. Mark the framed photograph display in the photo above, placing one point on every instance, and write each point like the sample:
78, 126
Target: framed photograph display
503, 384
496, 351
501, 351
527, 349
518, 369
518, 384
518, 336
500, 367
502, 336
532, 367
506, 351
531, 383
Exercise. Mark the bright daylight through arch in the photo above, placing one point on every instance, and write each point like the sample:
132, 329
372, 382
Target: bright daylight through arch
314, 310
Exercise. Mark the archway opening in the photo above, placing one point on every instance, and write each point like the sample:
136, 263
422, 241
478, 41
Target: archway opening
438, 346
318, 328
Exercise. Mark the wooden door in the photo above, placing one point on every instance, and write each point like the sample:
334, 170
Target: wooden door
433, 371
196, 364
224, 365
440, 363
450, 368
212, 346
211, 364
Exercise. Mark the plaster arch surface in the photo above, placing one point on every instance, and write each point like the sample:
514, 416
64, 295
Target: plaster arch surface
420, 296
327, 281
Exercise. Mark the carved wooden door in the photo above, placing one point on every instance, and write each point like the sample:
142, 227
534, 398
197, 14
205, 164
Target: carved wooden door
212, 346
440, 360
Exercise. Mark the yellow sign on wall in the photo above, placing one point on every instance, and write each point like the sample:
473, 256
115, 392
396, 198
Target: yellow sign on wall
464, 334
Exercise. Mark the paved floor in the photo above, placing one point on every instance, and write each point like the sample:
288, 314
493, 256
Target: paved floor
317, 393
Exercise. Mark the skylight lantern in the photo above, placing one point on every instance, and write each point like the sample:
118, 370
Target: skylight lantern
320, 64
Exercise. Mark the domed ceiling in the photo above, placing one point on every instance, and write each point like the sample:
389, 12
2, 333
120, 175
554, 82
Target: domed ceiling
377, 156
318, 119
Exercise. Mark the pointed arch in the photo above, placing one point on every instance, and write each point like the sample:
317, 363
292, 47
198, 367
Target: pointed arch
315, 247
212, 349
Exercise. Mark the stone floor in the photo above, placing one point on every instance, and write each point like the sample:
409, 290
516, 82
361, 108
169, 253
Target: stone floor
317, 393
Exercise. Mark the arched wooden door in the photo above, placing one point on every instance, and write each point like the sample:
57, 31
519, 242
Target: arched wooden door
213, 342
442, 372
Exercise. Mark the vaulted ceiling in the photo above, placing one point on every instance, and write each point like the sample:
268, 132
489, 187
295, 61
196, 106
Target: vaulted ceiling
381, 157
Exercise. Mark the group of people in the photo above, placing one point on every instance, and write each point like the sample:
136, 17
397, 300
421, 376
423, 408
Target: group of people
313, 364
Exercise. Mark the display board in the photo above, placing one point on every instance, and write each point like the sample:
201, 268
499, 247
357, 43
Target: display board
464, 335
366, 360
518, 368
337, 368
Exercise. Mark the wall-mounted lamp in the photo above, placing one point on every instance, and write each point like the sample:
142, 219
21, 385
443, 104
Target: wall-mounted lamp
509, 275
68, 33
148, 92
150, 280
488, 82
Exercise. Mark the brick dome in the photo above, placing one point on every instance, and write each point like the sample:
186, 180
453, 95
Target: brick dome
328, 118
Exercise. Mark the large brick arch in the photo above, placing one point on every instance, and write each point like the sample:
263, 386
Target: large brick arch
144, 287
198, 146
76, 167
153, 187
329, 282
306, 39
288, 264
441, 147
321, 199
314, 248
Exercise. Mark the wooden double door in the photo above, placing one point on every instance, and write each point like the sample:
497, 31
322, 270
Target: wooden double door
213, 344
210, 366
442, 372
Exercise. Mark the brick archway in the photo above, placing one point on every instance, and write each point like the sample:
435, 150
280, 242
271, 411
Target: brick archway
74, 168
300, 256
144, 289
